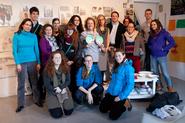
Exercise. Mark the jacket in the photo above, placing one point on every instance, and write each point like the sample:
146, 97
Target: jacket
120, 30
161, 43
122, 81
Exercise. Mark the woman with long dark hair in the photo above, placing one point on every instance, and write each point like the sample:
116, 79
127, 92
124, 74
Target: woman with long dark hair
160, 42
27, 60
120, 86
76, 20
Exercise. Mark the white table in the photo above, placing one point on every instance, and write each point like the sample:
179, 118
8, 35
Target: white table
144, 80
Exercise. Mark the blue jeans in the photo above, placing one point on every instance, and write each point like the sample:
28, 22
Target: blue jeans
161, 62
30, 69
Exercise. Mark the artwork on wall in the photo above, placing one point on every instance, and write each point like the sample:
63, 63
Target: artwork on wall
177, 7
6, 15
107, 11
96, 11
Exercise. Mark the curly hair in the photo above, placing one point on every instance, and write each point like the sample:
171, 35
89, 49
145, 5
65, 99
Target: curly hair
50, 69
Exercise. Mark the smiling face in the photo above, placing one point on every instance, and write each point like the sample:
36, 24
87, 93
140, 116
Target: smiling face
101, 20
119, 57
154, 25
34, 16
90, 25
48, 31
148, 15
56, 25
57, 59
76, 21
27, 26
88, 62
114, 17
130, 28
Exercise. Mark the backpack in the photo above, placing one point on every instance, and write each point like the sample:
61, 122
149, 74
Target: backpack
160, 100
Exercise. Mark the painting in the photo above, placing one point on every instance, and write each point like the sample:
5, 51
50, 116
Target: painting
177, 7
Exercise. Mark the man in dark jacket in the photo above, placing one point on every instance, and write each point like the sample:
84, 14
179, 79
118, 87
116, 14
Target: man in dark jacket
116, 30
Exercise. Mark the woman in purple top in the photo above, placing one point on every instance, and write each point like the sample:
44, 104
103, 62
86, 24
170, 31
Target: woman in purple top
160, 42
47, 43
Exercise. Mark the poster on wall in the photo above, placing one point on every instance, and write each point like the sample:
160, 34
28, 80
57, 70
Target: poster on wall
6, 15
176, 53
177, 7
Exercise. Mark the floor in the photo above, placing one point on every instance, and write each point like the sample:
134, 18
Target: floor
81, 114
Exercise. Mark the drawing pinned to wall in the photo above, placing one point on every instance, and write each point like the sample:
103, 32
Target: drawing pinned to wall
107, 11
25, 13
82, 12
177, 7
177, 53
76, 10
180, 23
64, 14
96, 11
171, 25
48, 12
6, 15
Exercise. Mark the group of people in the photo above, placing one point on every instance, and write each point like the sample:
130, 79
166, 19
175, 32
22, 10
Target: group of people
66, 63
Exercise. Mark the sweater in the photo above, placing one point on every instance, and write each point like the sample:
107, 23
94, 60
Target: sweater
25, 47
122, 81
161, 43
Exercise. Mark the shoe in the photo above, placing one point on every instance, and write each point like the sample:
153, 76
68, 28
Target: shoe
39, 104
159, 87
170, 89
128, 105
19, 109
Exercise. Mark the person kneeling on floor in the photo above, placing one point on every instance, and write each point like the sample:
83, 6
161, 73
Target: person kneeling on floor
120, 86
89, 81
56, 79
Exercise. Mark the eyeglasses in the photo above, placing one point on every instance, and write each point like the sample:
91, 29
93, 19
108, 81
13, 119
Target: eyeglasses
76, 20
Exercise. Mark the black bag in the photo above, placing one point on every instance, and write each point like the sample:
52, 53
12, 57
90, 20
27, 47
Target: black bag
160, 100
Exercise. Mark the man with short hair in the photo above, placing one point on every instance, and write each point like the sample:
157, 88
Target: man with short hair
145, 29
34, 14
116, 30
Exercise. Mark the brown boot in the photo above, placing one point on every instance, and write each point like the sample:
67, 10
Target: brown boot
170, 89
128, 105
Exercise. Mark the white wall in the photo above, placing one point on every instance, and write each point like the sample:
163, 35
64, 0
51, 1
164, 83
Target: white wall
177, 69
8, 79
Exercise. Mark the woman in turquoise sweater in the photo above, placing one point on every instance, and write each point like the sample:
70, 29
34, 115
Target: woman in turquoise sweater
119, 88
26, 57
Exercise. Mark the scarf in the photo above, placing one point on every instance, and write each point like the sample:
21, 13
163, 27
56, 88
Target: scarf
58, 78
131, 37
52, 42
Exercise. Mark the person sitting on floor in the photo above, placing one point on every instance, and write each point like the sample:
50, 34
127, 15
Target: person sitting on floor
120, 87
56, 80
88, 80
